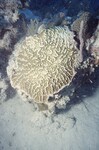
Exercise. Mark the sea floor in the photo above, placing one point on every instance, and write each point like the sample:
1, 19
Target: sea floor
23, 128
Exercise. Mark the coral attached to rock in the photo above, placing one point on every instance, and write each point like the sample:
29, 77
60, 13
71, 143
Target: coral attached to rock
94, 46
44, 64
85, 17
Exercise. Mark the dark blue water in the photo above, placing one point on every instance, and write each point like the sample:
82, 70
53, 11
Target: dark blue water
94, 5
67, 4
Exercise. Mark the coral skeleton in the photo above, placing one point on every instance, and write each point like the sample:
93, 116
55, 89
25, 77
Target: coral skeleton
43, 64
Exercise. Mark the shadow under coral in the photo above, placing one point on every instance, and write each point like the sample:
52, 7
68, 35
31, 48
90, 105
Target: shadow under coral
84, 86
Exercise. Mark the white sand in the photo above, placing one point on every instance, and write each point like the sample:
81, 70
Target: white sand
22, 128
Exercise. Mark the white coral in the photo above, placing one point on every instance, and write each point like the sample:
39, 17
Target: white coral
44, 64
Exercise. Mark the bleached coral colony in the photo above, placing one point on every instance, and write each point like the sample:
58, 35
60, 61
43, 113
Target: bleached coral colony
43, 64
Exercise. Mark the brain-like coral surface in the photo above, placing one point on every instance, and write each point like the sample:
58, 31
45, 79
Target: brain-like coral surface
43, 64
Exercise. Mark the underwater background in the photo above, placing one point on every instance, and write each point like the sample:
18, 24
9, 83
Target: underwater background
74, 126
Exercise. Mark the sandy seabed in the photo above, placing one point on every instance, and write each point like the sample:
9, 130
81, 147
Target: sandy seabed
23, 128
